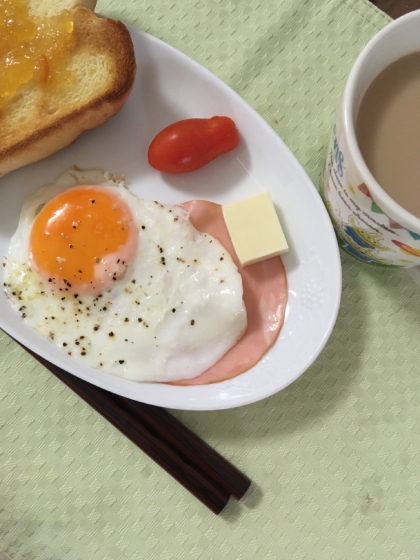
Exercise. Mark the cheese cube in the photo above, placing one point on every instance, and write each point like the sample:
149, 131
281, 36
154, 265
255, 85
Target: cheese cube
254, 228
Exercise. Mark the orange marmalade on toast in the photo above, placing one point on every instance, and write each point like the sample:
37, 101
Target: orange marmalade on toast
32, 47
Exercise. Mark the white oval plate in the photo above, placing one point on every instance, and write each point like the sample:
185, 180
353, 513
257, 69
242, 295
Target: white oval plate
169, 87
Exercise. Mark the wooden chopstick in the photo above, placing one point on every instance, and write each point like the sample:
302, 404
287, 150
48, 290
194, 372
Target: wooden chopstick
191, 446
186, 457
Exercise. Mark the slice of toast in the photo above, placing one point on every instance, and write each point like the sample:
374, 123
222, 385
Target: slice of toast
49, 8
38, 121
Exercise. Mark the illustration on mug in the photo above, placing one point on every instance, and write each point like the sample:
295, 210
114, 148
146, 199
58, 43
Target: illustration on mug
357, 241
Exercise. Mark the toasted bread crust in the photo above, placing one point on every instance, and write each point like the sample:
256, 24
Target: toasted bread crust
45, 134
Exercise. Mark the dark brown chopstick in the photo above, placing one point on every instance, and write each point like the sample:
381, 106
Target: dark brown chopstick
186, 457
193, 448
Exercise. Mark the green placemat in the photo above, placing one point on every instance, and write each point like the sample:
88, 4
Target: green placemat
335, 456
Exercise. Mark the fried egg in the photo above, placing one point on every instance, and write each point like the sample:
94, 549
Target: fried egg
126, 285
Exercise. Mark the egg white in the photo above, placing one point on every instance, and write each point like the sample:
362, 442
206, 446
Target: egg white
176, 312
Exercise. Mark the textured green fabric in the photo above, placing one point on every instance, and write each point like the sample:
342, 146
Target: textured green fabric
335, 456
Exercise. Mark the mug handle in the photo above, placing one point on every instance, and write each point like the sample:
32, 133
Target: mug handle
414, 272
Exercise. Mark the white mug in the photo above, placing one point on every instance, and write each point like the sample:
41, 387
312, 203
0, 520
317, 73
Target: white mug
369, 224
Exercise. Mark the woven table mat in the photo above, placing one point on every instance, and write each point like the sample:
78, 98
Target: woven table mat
335, 456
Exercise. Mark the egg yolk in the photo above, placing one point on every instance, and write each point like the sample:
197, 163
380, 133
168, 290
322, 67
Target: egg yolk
83, 240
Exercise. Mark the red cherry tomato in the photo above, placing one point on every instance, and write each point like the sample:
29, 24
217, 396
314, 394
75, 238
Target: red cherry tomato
187, 145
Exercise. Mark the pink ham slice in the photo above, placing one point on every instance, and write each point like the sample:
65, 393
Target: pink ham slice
265, 297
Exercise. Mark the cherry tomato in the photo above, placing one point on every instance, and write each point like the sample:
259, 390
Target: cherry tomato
187, 145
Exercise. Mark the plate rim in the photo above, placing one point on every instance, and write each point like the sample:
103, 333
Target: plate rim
187, 404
